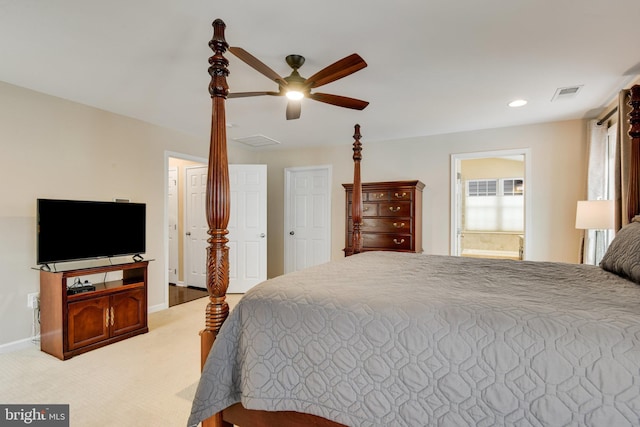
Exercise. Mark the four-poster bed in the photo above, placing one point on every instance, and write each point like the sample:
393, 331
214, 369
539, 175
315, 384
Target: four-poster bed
499, 342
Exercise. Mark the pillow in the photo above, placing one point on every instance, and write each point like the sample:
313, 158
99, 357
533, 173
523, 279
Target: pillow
623, 256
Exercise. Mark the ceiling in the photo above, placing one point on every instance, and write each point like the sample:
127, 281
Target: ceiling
434, 67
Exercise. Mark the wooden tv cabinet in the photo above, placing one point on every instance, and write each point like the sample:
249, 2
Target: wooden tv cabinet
74, 324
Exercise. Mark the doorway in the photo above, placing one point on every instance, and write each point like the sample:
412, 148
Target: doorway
307, 217
178, 289
490, 193
247, 226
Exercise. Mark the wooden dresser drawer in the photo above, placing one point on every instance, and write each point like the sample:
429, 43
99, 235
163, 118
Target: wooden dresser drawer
384, 225
388, 242
397, 209
375, 196
401, 195
368, 209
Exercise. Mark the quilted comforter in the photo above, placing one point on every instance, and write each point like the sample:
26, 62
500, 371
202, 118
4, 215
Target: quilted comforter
397, 339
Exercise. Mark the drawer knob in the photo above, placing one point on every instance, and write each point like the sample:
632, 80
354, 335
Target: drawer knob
366, 208
398, 242
401, 196
394, 208
398, 225
379, 195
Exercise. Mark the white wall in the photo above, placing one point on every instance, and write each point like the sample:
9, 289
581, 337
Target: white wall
52, 148
558, 152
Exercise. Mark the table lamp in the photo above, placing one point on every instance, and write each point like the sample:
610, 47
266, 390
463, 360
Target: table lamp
596, 215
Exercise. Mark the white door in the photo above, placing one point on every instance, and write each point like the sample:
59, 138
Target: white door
196, 227
307, 217
172, 192
247, 226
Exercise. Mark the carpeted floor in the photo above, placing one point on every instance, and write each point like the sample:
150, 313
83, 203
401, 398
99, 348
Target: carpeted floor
148, 380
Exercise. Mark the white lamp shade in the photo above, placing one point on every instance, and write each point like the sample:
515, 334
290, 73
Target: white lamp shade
595, 215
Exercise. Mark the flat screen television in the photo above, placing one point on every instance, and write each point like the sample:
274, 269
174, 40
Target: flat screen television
71, 230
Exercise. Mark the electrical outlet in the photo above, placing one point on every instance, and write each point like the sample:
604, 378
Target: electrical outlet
33, 300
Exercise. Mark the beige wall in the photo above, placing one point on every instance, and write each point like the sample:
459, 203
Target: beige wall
59, 149
490, 168
558, 175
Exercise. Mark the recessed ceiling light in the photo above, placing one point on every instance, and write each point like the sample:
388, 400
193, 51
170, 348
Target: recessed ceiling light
517, 103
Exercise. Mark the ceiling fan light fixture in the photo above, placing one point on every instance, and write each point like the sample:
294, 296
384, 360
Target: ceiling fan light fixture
295, 95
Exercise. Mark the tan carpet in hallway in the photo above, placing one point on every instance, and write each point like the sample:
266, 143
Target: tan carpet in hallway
148, 380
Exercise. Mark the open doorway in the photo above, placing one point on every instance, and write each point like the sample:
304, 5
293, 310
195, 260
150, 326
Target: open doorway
179, 290
490, 193
187, 236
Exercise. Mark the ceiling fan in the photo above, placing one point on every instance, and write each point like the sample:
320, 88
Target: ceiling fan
295, 87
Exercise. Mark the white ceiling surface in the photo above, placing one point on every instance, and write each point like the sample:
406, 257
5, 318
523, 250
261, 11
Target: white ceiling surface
434, 67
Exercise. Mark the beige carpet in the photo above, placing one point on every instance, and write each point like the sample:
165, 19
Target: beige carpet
148, 380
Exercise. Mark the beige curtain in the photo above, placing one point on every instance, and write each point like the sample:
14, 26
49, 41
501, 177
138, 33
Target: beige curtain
623, 163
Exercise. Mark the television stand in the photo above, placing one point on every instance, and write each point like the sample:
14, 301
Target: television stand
74, 323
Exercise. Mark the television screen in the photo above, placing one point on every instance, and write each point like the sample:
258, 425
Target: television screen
70, 230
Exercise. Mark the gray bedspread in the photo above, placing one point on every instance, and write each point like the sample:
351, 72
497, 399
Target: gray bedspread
397, 339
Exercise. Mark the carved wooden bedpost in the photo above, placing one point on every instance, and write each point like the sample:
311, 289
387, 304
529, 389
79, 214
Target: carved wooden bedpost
217, 195
217, 209
633, 202
356, 213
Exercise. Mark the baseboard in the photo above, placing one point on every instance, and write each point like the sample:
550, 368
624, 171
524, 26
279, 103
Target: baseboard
19, 345
157, 307
24, 343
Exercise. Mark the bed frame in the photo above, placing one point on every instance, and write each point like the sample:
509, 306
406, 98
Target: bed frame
217, 215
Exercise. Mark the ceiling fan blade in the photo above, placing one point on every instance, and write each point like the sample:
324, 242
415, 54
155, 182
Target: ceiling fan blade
340, 101
258, 65
293, 110
247, 94
337, 70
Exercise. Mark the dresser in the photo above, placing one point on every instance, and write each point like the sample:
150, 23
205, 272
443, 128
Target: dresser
391, 216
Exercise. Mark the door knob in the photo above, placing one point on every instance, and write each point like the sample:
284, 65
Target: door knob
262, 235
188, 233
292, 232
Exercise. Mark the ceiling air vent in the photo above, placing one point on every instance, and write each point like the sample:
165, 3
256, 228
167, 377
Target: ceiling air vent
566, 92
257, 141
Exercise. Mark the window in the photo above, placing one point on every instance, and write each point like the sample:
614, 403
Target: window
490, 205
482, 187
512, 187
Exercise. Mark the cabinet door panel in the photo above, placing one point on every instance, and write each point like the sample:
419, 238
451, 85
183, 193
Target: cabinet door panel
129, 311
88, 322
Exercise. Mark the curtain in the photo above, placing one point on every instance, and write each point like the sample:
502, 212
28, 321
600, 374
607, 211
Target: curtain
623, 160
627, 153
597, 184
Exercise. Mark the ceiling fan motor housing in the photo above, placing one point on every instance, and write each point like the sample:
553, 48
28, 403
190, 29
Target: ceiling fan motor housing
295, 61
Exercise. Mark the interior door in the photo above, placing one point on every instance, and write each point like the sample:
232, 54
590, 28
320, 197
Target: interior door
307, 217
196, 227
247, 227
172, 207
